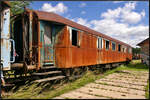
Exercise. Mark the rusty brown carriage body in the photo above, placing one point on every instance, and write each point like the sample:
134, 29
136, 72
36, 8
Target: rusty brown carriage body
47, 38
44, 38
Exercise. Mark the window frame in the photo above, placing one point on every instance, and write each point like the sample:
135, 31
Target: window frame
125, 49
108, 45
112, 45
70, 30
129, 50
99, 42
120, 47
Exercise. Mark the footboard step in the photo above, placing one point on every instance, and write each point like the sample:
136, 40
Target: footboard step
50, 79
48, 67
47, 73
8, 85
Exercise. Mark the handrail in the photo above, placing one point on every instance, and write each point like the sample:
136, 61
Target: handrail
11, 40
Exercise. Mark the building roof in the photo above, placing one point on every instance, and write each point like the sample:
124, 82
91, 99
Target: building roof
49, 16
146, 40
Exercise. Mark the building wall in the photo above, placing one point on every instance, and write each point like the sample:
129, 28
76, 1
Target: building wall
145, 48
145, 52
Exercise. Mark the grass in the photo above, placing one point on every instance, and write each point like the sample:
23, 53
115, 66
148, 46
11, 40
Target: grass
147, 90
135, 65
33, 90
46, 91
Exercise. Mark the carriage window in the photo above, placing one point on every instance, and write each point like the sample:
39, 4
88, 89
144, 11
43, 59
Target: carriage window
124, 48
74, 37
47, 35
107, 44
99, 43
129, 50
113, 46
119, 47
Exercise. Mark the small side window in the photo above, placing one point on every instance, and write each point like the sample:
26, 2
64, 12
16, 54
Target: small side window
99, 43
122, 49
107, 44
119, 47
125, 48
74, 37
113, 46
129, 50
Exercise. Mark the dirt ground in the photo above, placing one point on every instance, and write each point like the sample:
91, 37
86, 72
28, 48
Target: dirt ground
120, 85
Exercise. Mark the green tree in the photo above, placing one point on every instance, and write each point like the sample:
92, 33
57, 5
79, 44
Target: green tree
17, 7
136, 50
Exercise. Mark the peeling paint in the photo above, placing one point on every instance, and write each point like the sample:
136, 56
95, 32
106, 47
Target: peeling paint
5, 39
50, 41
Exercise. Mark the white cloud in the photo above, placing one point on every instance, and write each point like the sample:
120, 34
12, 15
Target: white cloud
117, 23
130, 6
125, 14
121, 31
111, 13
143, 13
83, 12
131, 17
82, 21
118, 1
82, 5
59, 8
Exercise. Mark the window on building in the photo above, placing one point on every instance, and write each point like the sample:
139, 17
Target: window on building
74, 37
113, 46
119, 47
107, 44
99, 43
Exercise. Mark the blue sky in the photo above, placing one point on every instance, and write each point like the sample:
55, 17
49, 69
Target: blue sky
127, 21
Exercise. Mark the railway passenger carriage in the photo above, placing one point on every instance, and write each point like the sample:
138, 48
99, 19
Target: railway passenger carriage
44, 39
66, 44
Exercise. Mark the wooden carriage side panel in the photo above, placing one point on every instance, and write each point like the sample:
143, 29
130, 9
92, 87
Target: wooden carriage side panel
105, 53
110, 53
61, 48
86, 53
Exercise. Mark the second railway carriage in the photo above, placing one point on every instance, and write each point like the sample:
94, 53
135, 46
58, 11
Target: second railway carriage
7, 44
45, 38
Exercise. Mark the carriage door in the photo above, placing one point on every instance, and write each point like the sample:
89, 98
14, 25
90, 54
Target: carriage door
48, 44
